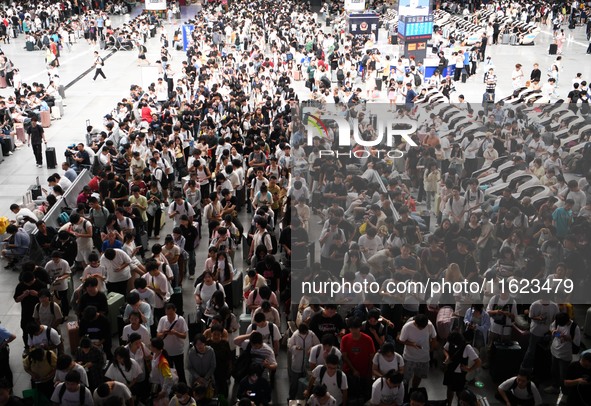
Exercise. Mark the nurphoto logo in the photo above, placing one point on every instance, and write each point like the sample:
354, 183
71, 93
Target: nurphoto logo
357, 135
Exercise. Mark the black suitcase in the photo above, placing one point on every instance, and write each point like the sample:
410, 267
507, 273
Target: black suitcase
102, 44
553, 49
571, 25
7, 145
50, 157
464, 77
325, 82
379, 84
194, 325
30, 46
35, 191
505, 360
177, 299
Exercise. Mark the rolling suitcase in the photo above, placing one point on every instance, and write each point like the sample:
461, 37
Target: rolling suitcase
379, 84
177, 299
35, 191
505, 360
553, 49
102, 44
114, 301
62, 91
55, 113
297, 75
7, 145
193, 324
506, 38
3, 84
245, 320
45, 118
464, 76
513, 39
237, 288
30, 46
73, 335
50, 157
587, 326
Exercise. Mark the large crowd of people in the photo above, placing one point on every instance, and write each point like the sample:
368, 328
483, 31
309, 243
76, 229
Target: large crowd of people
219, 148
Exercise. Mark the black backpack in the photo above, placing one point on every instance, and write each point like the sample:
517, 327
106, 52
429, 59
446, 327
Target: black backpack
340, 74
82, 393
418, 80
273, 241
253, 327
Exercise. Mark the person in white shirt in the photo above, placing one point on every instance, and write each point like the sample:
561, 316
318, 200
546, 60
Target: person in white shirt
109, 390
71, 392
321, 397
270, 331
332, 377
502, 310
65, 364
387, 359
299, 345
319, 352
40, 336
135, 327
417, 335
520, 390
173, 329
59, 274
178, 208
116, 262
460, 358
388, 390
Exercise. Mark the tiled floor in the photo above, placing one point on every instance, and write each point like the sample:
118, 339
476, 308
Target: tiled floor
87, 100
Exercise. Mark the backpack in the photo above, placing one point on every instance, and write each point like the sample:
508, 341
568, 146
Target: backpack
217, 287
575, 348
242, 364
52, 311
340, 74
63, 218
185, 204
500, 318
529, 391
339, 376
253, 327
82, 393
418, 80
289, 56
273, 242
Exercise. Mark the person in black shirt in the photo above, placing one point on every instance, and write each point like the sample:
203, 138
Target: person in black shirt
294, 241
27, 294
97, 328
45, 235
35, 139
578, 381
536, 73
328, 321
271, 271
191, 234
66, 243
407, 228
506, 203
93, 297
336, 191
463, 257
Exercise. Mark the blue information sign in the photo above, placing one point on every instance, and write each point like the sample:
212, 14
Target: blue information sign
187, 31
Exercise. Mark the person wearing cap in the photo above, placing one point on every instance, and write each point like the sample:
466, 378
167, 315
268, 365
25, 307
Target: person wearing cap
577, 380
36, 137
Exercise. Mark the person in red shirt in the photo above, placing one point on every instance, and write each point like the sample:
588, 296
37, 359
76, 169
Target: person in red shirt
94, 182
357, 351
